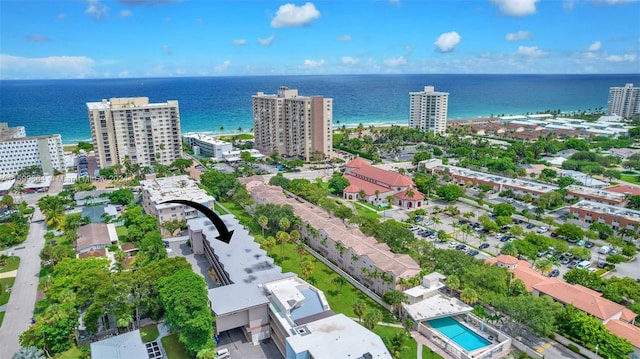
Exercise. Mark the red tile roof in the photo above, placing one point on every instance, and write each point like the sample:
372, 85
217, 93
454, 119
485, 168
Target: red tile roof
583, 298
94, 253
363, 168
357, 184
625, 330
417, 195
632, 190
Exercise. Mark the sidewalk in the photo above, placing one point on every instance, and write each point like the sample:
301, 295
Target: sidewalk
11, 274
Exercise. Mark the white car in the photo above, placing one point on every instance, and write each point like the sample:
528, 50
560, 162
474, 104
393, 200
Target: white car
542, 230
452, 244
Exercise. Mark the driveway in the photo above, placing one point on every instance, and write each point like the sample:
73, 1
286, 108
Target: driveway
19, 310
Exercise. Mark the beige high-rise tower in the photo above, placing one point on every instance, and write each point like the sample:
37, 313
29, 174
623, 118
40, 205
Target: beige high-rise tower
624, 101
428, 110
292, 125
146, 133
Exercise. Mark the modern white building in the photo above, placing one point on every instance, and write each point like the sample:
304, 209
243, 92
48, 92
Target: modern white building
17, 151
428, 110
157, 191
624, 101
292, 125
205, 145
145, 133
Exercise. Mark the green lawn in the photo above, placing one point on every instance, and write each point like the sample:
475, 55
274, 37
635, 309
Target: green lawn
366, 211
630, 178
4, 283
387, 332
149, 333
1, 318
241, 215
12, 264
73, 353
122, 232
341, 298
427, 353
173, 347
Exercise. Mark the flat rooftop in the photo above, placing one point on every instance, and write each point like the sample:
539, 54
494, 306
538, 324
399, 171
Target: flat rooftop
511, 182
246, 264
436, 306
172, 188
600, 193
596, 207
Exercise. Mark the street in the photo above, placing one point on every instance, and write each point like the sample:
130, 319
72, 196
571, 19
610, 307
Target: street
19, 310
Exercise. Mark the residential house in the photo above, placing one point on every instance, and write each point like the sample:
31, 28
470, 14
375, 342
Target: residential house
95, 236
124, 346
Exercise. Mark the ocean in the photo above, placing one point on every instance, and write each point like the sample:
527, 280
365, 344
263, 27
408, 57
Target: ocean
223, 104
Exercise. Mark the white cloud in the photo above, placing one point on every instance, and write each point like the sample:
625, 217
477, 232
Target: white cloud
124, 74
614, 2
516, 7
166, 49
37, 38
290, 15
344, 38
15, 67
621, 58
239, 42
394, 2
447, 41
223, 67
125, 13
595, 46
61, 17
267, 41
348, 60
520, 35
568, 4
395, 61
531, 51
97, 10
312, 64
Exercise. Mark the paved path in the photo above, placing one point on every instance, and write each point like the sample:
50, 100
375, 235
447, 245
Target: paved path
9, 274
19, 310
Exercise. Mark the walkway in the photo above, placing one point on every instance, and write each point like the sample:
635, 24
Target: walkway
11, 274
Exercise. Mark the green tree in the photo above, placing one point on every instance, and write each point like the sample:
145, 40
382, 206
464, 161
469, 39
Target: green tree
359, 307
220, 185
395, 298
184, 297
338, 183
450, 192
469, 296
453, 283
181, 164
583, 277
536, 312
29, 353
306, 266
504, 209
570, 231
123, 196
372, 318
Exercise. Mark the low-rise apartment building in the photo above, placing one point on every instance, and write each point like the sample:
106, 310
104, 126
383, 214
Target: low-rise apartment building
372, 263
596, 195
254, 295
159, 190
586, 212
205, 145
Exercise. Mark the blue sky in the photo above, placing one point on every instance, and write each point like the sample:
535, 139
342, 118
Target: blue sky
161, 38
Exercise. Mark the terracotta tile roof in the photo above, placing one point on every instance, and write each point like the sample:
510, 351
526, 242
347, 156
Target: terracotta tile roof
127, 247
625, 330
417, 195
627, 315
583, 298
521, 270
362, 168
632, 190
357, 184
504, 259
94, 253
399, 265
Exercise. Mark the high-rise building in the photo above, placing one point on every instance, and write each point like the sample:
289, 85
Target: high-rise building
145, 133
428, 110
292, 125
17, 151
624, 101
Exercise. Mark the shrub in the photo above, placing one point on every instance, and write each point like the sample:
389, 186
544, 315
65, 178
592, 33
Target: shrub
573, 348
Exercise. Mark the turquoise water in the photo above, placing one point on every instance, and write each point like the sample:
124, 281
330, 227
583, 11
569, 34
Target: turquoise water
458, 333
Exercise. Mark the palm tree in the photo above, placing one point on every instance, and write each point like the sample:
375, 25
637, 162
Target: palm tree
436, 222
372, 318
29, 353
263, 221
544, 265
284, 224
269, 243
469, 296
300, 248
359, 307
397, 344
453, 283
19, 189
306, 266
395, 298
283, 237
294, 236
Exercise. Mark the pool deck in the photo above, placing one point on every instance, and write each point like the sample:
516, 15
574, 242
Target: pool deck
422, 340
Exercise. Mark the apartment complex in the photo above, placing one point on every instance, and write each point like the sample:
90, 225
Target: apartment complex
253, 294
17, 151
624, 101
586, 212
371, 263
292, 125
205, 145
157, 191
145, 133
428, 110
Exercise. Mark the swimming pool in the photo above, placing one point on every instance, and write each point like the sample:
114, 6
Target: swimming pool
458, 333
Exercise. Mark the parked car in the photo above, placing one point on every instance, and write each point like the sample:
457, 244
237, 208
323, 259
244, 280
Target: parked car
554, 273
604, 250
452, 244
473, 252
542, 230
602, 264
565, 260
461, 247
573, 263
518, 221
588, 244
484, 245
615, 251
531, 226
554, 234
580, 243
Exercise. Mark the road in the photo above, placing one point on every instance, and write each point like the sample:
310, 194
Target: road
19, 310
